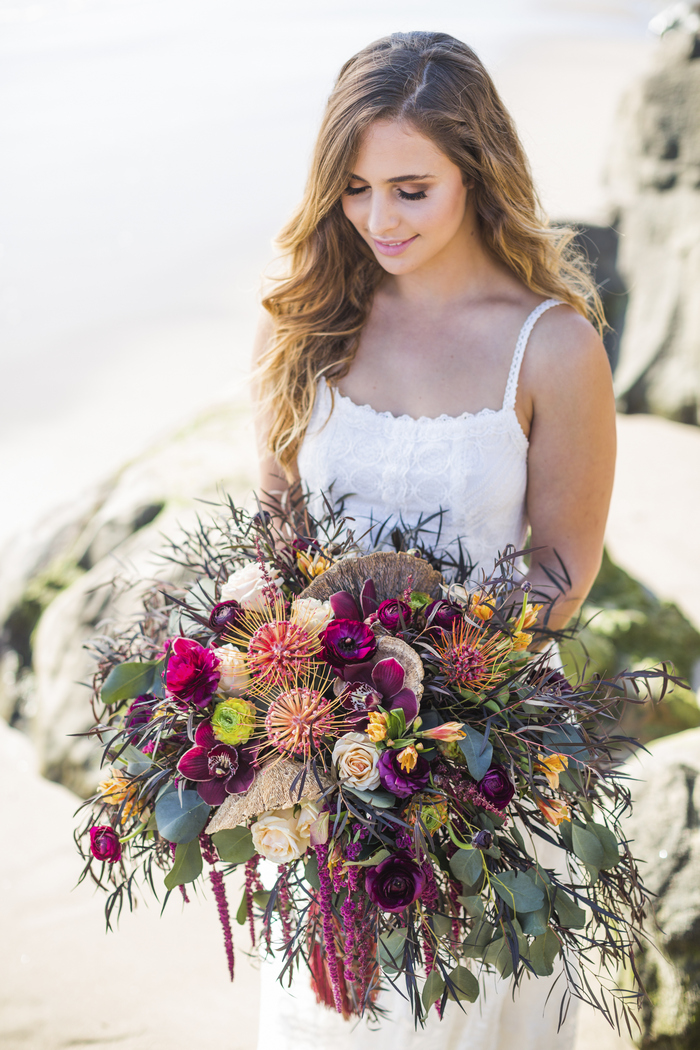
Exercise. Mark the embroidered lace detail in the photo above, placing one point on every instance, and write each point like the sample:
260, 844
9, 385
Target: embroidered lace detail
396, 469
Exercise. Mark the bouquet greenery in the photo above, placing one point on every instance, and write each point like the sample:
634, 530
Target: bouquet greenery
437, 800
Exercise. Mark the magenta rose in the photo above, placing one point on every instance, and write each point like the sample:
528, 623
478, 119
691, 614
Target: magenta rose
394, 614
497, 787
395, 882
105, 844
193, 672
396, 779
347, 642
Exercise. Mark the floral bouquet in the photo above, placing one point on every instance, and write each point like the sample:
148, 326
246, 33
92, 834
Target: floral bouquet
392, 743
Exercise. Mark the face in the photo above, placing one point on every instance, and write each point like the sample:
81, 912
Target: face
405, 198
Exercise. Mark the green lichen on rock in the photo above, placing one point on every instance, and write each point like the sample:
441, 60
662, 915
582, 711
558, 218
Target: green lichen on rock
626, 626
39, 593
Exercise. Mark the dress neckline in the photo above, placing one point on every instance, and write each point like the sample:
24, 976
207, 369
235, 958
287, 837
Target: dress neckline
444, 417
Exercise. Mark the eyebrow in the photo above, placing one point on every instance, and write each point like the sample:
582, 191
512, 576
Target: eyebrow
397, 178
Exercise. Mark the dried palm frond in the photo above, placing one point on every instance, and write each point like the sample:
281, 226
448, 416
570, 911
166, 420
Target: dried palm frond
271, 789
390, 572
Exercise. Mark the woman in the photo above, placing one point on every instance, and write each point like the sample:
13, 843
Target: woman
392, 369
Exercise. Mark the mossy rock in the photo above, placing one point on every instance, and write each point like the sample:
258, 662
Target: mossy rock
626, 626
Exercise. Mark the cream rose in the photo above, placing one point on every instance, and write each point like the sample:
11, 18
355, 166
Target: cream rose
247, 585
311, 613
307, 816
233, 669
276, 837
356, 758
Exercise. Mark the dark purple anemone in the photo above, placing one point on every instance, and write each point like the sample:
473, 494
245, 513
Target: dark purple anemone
217, 769
347, 642
497, 787
378, 686
395, 882
394, 614
400, 781
193, 672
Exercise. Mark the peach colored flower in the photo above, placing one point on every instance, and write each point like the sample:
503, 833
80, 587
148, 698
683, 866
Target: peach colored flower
553, 810
311, 614
408, 758
356, 758
552, 766
233, 670
448, 732
376, 730
521, 640
275, 836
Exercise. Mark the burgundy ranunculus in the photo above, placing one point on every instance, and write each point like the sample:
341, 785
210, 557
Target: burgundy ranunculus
105, 844
224, 615
394, 614
442, 614
347, 642
382, 685
193, 672
217, 769
395, 882
497, 787
398, 780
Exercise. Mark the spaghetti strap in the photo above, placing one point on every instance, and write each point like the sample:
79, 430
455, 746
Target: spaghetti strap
512, 384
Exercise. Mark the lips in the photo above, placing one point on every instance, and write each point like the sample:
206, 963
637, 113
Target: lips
393, 247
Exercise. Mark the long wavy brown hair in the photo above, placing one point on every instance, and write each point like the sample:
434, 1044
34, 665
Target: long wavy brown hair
438, 85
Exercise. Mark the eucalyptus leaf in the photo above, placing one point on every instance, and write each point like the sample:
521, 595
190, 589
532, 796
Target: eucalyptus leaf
311, 872
391, 949
234, 845
242, 913
608, 841
181, 822
570, 915
127, 681
441, 924
187, 865
477, 755
535, 923
498, 954
380, 799
462, 984
261, 898
467, 865
433, 988
475, 943
543, 951
473, 906
587, 846
518, 891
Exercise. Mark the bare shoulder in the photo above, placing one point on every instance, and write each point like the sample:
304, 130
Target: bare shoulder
564, 352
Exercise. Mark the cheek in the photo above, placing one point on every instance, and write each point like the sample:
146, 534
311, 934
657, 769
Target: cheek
443, 213
353, 209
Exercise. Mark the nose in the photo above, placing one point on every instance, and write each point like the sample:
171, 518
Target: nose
382, 218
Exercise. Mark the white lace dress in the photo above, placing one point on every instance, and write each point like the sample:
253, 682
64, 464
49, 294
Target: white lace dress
393, 469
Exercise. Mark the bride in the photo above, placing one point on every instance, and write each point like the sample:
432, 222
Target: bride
430, 348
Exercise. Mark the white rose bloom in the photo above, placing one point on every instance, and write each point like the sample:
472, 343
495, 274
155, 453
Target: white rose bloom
357, 759
309, 812
275, 836
311, 613
234, 672
247, 585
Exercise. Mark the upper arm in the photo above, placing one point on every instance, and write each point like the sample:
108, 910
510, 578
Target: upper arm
273, 481
571, 460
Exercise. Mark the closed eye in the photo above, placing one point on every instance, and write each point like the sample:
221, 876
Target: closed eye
353, 191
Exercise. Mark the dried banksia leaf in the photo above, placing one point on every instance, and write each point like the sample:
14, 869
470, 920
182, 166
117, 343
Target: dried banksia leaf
271, 789
390, 572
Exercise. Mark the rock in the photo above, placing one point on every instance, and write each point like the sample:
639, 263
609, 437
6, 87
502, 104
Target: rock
654, 180
58, 583
665, 831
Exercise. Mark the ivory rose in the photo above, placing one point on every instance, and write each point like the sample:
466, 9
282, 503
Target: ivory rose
356, 758
311, 613
275, 836
247, 586
233, 670
308, 815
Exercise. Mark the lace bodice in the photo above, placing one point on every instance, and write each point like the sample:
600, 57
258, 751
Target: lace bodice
397, 469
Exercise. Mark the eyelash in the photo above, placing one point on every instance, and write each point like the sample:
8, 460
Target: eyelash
353, 191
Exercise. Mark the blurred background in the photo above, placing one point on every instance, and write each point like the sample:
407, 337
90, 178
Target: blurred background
151, 149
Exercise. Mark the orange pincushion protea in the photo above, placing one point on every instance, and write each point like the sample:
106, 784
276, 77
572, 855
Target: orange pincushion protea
279, 650
471, 658
297, 719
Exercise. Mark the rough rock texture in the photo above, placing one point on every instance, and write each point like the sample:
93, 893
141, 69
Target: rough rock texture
654, 179
665, 829
57, 583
